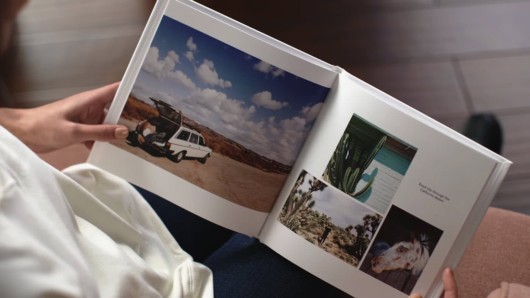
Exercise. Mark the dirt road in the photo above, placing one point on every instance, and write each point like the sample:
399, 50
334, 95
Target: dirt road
225, 177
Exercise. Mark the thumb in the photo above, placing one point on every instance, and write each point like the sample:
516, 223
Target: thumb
450, 287
101, 132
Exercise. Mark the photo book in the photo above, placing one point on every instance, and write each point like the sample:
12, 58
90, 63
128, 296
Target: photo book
348, 183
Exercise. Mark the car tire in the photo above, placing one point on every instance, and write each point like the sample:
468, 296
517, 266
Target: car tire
132, 139
177, 157
203, 160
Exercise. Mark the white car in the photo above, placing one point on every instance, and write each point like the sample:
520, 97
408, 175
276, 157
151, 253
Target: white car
166, 134
187, 142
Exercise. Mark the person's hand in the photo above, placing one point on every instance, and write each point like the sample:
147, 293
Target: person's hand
62, 123
450, 288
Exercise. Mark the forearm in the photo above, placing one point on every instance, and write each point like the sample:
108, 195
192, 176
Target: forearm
13, 120
19, 123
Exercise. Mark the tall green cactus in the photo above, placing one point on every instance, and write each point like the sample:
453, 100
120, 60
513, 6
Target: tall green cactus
349, 161
374, 152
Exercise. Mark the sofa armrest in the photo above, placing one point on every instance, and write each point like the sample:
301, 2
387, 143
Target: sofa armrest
499, 251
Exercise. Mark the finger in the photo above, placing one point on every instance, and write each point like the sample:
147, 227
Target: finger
105, 94
415, 296
103, 132
96, 97
89, 144
450, 288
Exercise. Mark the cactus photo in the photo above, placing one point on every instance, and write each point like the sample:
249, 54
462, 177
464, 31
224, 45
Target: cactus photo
368, 164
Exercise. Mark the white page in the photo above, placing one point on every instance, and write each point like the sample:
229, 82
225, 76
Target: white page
443, 177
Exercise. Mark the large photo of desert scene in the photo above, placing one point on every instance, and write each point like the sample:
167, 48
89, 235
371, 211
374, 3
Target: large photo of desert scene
217, 117
329, 219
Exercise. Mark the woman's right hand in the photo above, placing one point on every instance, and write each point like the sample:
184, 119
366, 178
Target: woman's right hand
450, 288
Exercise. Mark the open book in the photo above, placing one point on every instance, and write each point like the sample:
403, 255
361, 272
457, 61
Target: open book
343, 180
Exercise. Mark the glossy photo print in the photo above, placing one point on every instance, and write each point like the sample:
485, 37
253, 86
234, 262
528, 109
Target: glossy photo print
217, 117
368, 164
329, 219
401, 250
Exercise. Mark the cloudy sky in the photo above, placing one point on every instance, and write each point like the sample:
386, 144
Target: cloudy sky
343, 209
258, 105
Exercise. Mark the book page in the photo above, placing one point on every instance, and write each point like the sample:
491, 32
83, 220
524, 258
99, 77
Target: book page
217, 114
379, 196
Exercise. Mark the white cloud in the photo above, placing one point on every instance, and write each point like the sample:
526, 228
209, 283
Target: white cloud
285, 138
341, 208
265, 67
172, 57
183, 79
278, 72
189, 55
235, 119
264, 99
191, 45
192, 48
220, 103
311, 113
169, 98
207, 73
165, 67
152, 63
278, 139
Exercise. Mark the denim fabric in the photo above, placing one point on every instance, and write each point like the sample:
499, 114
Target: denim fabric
197, 236
244, 267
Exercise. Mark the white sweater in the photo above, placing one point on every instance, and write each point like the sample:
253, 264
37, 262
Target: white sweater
84, 233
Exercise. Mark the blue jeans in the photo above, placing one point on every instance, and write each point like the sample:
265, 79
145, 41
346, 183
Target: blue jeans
241, 265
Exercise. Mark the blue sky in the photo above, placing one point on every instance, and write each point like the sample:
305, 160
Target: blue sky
258, 105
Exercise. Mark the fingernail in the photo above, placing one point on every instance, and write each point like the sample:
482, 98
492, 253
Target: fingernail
121, 133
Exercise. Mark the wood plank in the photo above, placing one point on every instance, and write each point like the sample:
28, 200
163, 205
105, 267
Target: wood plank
517, 144
62, 15
391, 4
514, 195
34, 98
498, 83
414, 34
65, 47
50, 66
311, 27
431, 88
251, 12
474, 2
516, 141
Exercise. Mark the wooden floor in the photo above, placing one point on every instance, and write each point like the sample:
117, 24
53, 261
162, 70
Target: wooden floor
447, 58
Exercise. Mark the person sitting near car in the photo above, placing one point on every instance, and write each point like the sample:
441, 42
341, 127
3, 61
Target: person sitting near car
150, 134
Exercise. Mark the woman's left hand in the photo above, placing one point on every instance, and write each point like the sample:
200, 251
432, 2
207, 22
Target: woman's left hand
62, 123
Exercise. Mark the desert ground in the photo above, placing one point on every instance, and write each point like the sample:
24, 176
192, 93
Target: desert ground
332, 244
232, 180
